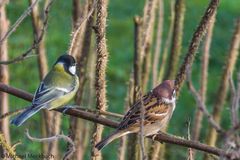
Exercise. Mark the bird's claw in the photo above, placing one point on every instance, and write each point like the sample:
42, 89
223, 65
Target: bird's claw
153, 137
67, 108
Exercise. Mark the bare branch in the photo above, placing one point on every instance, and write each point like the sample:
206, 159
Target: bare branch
235, 97
204, 78
167, 43
107, 122
176, 39
18, 22
101, 64
8, 114
37, 40
224, 83
141, 138
55, 138
77, 31
190, 151
195, 42
158, 44
200, 103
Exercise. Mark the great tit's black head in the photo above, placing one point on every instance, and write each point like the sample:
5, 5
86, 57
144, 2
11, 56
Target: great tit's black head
68, 62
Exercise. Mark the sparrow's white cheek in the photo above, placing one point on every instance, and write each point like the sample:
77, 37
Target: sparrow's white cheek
169, 101
72, 69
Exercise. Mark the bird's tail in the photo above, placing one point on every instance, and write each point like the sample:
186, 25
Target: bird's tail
109, 139
22, 117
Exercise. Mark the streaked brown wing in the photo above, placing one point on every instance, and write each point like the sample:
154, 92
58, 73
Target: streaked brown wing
154, 110
156, 113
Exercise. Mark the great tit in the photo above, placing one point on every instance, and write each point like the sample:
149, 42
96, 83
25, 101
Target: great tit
57, 89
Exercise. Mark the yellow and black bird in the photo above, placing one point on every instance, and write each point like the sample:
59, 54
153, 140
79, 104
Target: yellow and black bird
57, 89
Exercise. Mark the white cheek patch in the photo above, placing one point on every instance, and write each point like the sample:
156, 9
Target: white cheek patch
72, 69
169, 101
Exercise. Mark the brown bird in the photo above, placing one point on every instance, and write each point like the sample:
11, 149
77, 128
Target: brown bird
159, 105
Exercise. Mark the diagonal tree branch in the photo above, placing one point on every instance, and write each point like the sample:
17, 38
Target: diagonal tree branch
110, 123
195, 42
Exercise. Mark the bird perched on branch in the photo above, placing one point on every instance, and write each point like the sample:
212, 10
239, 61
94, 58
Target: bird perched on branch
158, 104
57, 89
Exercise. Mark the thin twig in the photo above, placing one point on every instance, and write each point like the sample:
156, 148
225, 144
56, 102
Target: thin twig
137, 71
142, 148
36, 41
146, 34
204, 78
235, 97
190, 151
79, 130
77, 31
167, 44
12, 113
200, 103
104, 113
224, 83
176, 39
46, 117
158, 44
55, 138
123, 141
18, 22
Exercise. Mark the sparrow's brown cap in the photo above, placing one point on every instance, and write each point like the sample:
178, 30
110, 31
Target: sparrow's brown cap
165, 89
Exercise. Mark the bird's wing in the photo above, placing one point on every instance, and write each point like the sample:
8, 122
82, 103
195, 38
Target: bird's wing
155, 110
46, 94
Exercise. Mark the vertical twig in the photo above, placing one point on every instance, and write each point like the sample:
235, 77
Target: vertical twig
155, 146
141, 138
235, 94
4, 74
203, 82
137, 56
137, 71
158, 44
80, 10
167, 44
222, 90
190, 151
43, 69
176, 39
123, 141
179, 11
146, 39
100, 83
78, 127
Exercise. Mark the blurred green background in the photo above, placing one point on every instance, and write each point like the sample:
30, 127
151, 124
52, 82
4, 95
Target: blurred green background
24, 75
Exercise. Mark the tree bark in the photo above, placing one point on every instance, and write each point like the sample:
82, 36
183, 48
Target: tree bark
4, 74
101, 64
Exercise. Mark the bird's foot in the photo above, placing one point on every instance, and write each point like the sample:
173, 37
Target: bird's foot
153, 137
67, 107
